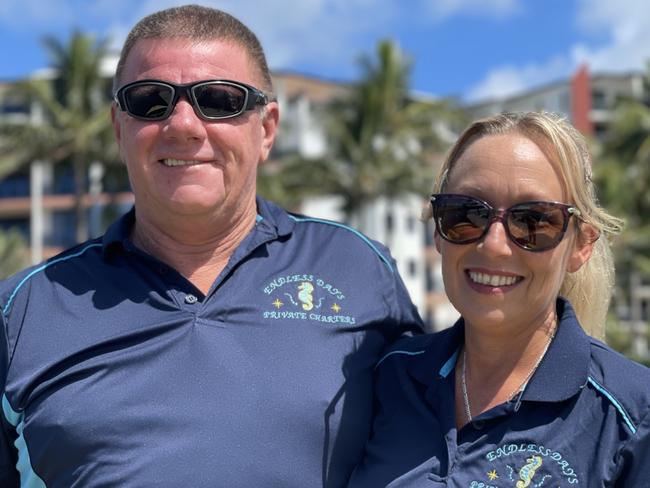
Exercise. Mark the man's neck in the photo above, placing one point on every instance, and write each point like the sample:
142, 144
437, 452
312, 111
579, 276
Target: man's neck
199, 249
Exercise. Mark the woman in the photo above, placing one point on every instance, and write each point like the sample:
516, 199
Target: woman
515, 393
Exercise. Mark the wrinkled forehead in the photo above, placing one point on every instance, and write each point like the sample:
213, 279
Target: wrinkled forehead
188, 59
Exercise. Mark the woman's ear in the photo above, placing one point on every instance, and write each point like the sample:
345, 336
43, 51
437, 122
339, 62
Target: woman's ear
436, 240
583, 247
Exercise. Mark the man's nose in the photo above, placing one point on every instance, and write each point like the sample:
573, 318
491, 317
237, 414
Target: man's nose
183, 123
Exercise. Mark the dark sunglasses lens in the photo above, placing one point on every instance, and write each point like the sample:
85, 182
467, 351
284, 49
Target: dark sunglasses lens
148, 101
460, 219
217, 100
536, 226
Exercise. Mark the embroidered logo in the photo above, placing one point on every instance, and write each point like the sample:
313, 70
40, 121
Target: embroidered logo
306, 297
528, 471
525, 466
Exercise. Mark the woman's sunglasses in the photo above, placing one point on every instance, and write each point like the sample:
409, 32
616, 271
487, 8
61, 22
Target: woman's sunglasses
211, 99
533, 226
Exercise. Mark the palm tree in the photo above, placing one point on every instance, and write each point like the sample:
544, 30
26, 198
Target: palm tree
382, 141
13, 252
73, 123
623, 176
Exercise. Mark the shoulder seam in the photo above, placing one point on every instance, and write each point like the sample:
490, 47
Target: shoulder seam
406, 353
350, 229
37, 270
626, 418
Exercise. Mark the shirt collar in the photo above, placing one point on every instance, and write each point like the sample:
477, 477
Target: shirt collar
560, 375
117, 235
565, 367
271, 219
438, 360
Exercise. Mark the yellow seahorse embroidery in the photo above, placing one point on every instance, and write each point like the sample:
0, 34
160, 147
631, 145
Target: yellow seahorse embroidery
305, 296
527, 472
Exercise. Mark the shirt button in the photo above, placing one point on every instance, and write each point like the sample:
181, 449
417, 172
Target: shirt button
478, 424
191, 299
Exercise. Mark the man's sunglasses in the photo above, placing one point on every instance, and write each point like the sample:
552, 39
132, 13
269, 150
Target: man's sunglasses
211, 99
533, 226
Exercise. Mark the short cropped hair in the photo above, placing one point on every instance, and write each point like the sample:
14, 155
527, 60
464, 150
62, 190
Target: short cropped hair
590, 288
196, 23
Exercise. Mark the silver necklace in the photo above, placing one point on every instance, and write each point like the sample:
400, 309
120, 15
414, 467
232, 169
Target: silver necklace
522, 385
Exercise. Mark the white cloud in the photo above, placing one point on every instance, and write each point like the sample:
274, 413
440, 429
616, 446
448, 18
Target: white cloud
26, 13
623, 24
292, 32
499, 9
333, 32
499, 83
330, 32
506, 81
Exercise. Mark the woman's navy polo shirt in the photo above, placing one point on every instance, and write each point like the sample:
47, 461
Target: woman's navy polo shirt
583, 420
115, 371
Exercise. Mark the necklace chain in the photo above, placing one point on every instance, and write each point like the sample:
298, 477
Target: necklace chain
466, 404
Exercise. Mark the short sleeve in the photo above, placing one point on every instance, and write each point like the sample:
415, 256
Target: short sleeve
401, 308
634, 457
8, 455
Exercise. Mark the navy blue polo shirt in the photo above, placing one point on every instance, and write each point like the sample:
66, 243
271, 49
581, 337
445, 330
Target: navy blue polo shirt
582, 420
117, 372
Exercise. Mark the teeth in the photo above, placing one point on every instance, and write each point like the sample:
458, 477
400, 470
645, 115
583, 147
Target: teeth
492, 280
180, 162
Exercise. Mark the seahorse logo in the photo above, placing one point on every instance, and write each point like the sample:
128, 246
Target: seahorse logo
527, 472
305, 296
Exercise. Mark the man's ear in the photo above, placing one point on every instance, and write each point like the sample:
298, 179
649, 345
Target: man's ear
269, 129
583, 247
116, 125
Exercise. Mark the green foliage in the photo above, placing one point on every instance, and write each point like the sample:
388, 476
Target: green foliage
382, 142
623, 177
13, 253
621, 339
70, 120
288, 181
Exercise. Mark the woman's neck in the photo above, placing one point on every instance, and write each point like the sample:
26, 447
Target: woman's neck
492, 369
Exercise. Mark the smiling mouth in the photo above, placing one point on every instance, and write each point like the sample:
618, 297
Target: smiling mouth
493, 279
180, 162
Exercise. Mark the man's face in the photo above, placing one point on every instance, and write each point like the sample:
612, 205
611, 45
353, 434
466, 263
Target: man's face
184, 166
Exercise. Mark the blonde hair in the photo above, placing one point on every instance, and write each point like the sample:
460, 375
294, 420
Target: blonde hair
590, 288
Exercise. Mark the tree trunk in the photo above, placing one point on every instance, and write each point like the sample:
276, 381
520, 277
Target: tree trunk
81, 213
36, 220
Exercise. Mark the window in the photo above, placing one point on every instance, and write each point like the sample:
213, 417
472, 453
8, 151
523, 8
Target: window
390, 222
410, 224
430, 279
412, 268
598, 99
429, 229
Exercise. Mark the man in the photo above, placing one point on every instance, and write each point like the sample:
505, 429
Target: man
209, 338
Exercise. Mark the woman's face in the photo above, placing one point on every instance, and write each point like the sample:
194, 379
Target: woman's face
504, 170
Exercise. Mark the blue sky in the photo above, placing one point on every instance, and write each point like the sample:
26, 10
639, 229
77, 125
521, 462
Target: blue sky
473, 49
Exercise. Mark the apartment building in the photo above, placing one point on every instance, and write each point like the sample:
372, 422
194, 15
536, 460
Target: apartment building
586, 99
